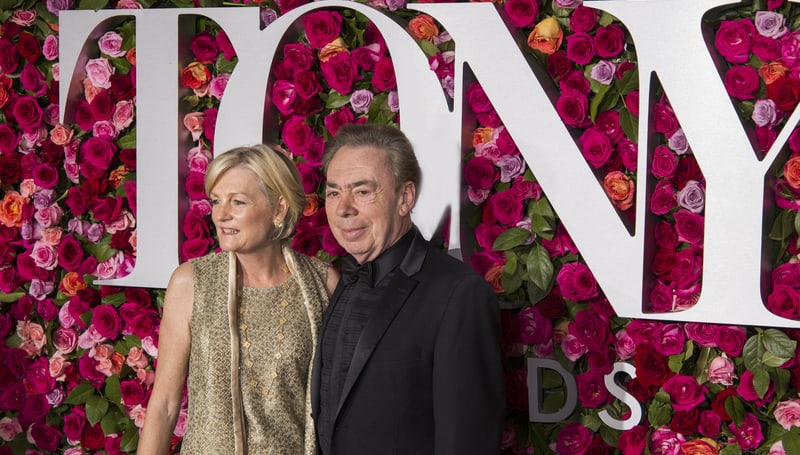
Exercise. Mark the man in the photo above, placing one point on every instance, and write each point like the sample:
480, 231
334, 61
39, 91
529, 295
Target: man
409, 355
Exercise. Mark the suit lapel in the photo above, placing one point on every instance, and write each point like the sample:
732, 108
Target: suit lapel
317, 366
400, 288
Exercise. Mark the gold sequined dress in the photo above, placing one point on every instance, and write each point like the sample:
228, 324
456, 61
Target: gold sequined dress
269, 335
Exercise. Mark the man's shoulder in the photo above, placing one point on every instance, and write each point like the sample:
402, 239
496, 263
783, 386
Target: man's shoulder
439, 262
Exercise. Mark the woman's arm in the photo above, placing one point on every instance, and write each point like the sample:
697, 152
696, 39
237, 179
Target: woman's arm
173, 363
332, 279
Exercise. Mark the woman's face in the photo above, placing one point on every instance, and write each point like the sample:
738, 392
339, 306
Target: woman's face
242, 213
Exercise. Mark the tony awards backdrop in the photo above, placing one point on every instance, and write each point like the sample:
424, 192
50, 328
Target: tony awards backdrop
625, 174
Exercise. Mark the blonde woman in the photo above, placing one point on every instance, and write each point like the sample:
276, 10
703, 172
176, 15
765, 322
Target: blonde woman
240, 326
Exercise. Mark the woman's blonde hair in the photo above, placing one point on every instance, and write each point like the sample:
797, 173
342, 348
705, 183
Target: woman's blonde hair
277, 173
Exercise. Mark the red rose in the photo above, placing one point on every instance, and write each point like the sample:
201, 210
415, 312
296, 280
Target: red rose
664, 162
46, 437
558, 65
591, 329
477, 99
128, 158
685, 422
306, 84
480, 173
709, 424
35, 409
307, 242
37, 376
489, 118
487, 233
70, 253
12, 395
684, 391
74, 423
102, 106
195, 225
75, 201
210, 123
195, 185
731, 339
107, 209
299, 56
204, 47
330, 245
742, 82
784, 301
106, 321
32, 78
9, 57
506, 207
663, 262
652, 368
296, 135
83, 115
633, 441
573, 439
607, 122
122, 87
574, 110
665, 120
93, 437
592, 390
27, 113
609, 41
225, 45
9, 139
689, 226
130, 193
687, 170
337, 118
8, 280
132, 392
322, 27
580, 48
310, 176
767, 49
194, 248
522, 13
29, 47
45, 175
145, 325
384, 79
340, 72
583, 19
785, 91
596, 147
10, 168
734, 38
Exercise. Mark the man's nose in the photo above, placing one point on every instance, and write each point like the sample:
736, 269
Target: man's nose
345, 206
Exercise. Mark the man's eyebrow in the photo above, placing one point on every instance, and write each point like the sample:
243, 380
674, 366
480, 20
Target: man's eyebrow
370, 183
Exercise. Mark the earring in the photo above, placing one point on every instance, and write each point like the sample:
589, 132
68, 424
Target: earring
278, 223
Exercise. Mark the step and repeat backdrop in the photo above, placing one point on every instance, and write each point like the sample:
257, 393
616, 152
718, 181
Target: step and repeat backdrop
625, 175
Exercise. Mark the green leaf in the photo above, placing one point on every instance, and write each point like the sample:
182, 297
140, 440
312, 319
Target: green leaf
92, 4
428, 48
130, 439
182, 3
551, 379
771, 360
540, 267
594, 105
592, 422
629, 82
128, 141
510, 238
224, 65
115, 299
128, 32
11, 297
753, 352
784, 225
112, 390
630, 125
606, 19
336, 100
96, 408
659, 413
101, 250
534, 293
111, 422
778, 343
9, 5
542, 208
732, 449
735, 409
761, 382
511, 281
541, 226
80, 394
676, 362
791, 441
553, 401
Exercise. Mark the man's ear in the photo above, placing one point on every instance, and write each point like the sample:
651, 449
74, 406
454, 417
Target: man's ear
408, 197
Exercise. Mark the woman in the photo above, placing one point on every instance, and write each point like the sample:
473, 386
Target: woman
242, 323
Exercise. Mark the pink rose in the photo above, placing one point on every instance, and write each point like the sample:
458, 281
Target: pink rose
110, 43
65, 340
217, 85
721, 371
577, 282
742, 82
44, 255
787, 414
664, 441
99, 72
734, 38
580, 48
573, 439
123, 114
624, 345
193, 122
136, 359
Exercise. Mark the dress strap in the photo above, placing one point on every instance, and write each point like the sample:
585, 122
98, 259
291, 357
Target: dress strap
239, 436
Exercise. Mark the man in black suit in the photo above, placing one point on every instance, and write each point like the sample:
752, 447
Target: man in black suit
409, 354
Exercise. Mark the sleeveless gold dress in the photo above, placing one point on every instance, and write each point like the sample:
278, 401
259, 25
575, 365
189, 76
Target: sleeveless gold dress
270, 335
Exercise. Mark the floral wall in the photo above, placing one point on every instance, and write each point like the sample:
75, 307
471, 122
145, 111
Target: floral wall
77, 360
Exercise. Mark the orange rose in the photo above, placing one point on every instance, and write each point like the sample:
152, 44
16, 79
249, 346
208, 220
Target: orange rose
312, 204
791, 172
89, 90
494, 277
117, 176
620, 189
61, 135
52, 235
11, 208
481, 135
329, 50
772, 71
71, 284
702, 446
423, 27
195, 75
546, 36
130, 56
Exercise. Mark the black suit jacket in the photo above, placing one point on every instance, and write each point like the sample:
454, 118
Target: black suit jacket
426, 376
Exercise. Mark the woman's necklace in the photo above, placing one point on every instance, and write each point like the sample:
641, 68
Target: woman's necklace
283, 302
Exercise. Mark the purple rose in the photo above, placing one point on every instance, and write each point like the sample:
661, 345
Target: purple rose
734, 38
770, 24
764, 112
603, 72
692, 197
742, 82
580, 48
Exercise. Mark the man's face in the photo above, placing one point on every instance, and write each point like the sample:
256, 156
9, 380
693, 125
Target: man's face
366, 214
